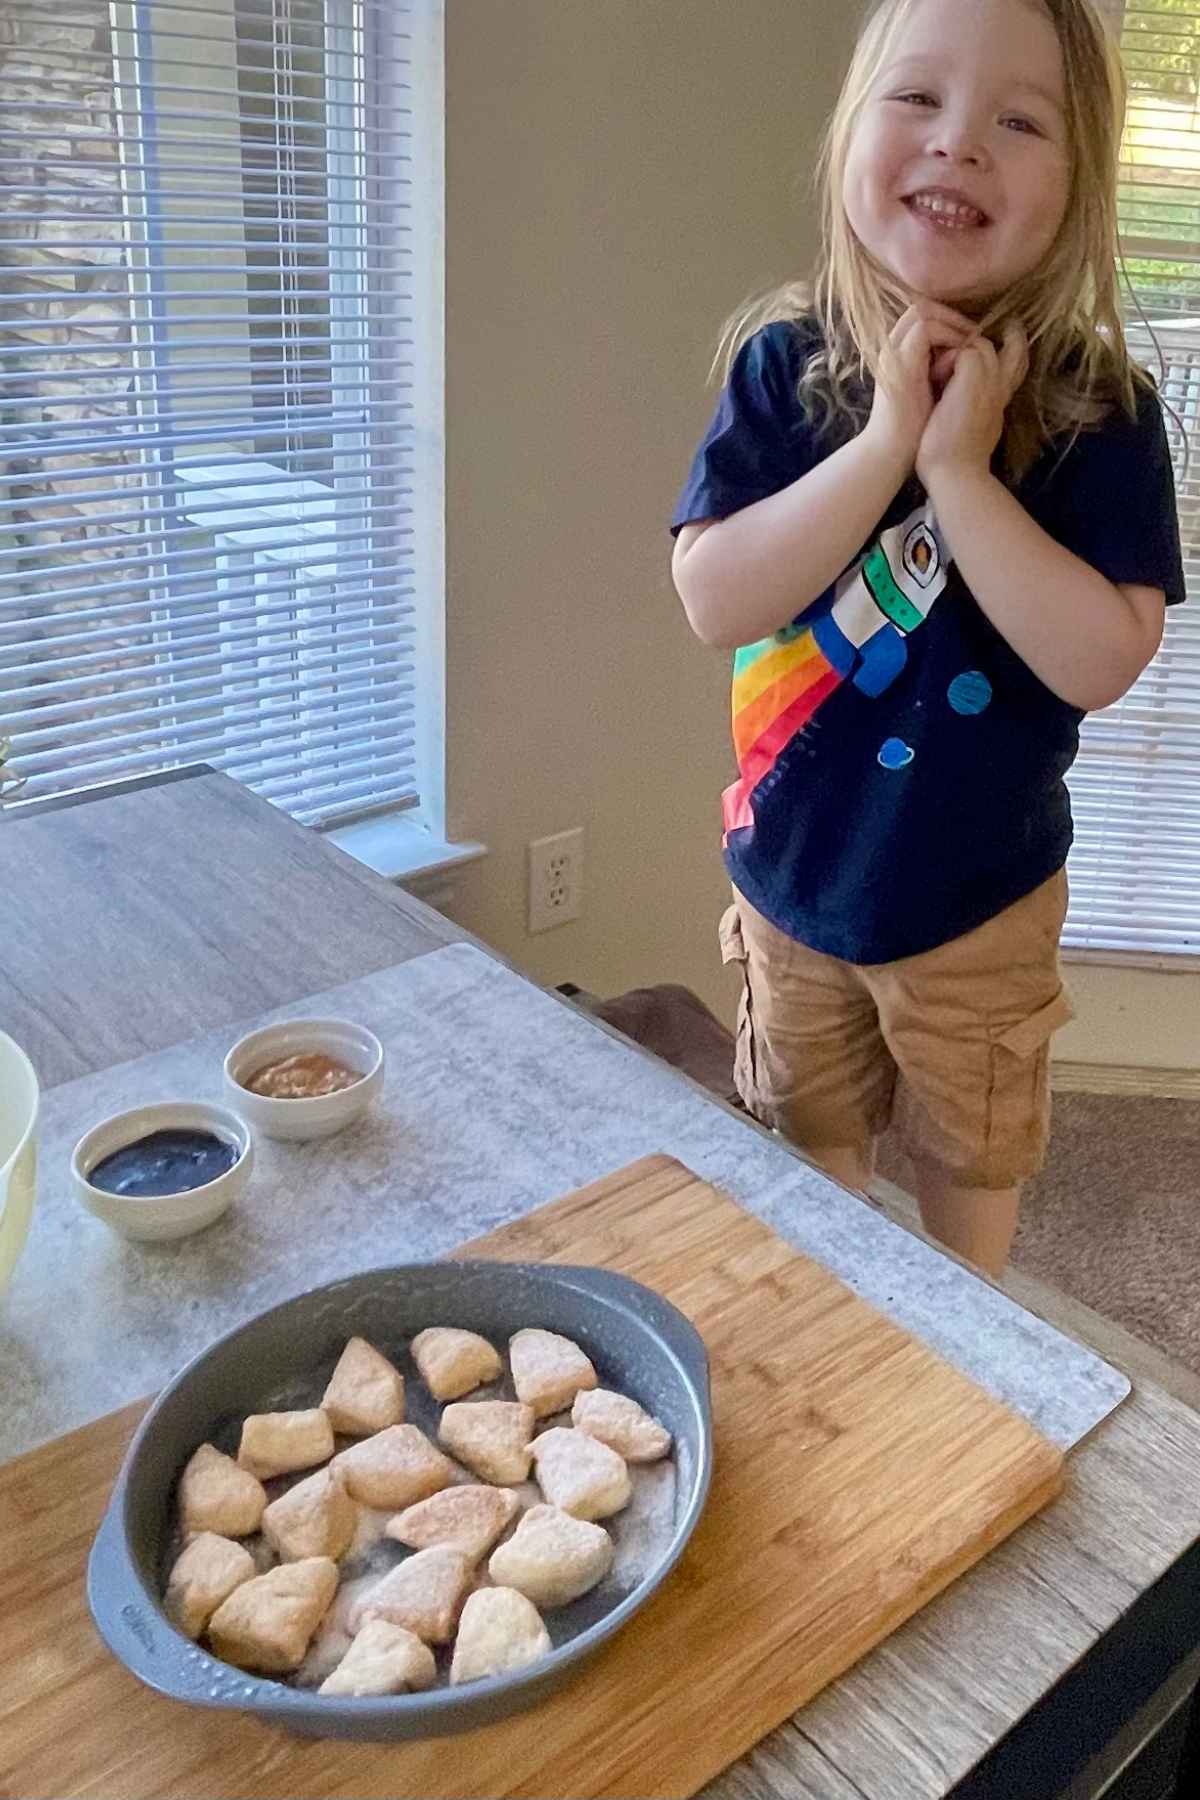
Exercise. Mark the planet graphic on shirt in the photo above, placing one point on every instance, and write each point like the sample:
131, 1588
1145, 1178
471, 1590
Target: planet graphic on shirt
896, 754
970, 693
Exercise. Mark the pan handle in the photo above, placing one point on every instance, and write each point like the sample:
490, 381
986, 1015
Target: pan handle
134, 1629
136, 1632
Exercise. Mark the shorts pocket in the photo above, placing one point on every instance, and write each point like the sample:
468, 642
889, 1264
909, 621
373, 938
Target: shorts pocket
1034, 1033
733, 950
733, 944
1018, 1124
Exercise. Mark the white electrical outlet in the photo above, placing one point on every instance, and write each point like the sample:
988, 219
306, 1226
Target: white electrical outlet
555, 880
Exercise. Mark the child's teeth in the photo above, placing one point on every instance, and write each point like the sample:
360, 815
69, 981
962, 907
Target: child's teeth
950, 210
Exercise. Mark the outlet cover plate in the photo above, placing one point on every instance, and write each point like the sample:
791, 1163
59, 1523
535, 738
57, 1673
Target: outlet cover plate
555, 880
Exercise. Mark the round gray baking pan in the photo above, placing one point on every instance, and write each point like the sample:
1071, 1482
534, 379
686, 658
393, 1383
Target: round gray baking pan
640, 1344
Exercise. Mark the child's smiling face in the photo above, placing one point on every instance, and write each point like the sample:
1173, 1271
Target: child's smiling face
959, 166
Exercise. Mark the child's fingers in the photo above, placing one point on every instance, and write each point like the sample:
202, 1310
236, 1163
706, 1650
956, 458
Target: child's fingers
931, 310
944, 364
942, 323
903, 329
943, 336
902, 333
1014, 356
985, 358
946, 316
934, 316
923, 348
971, 363
916, 352
1007, 367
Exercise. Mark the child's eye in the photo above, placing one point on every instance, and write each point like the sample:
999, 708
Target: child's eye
919, 97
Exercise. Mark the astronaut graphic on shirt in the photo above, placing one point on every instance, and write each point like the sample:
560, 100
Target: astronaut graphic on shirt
882, 600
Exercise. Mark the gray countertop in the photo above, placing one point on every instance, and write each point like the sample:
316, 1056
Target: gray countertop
498, 1097
184, 906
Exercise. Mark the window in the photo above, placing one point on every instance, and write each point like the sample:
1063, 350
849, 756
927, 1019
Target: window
220, 495
282, 90
1135, 869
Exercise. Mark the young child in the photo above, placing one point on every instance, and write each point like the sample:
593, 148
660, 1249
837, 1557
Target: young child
934, 514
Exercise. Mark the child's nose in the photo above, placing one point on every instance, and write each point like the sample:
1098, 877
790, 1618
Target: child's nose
959, 138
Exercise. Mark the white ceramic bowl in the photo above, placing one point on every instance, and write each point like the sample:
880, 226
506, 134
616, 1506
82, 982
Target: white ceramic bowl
322, 1114
156, 1218
18, 1152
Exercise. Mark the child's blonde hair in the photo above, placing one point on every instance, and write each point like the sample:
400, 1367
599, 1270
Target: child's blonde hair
1080, 366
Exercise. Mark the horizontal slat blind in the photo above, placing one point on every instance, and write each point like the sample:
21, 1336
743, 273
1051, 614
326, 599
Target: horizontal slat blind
208, 537
1135, 868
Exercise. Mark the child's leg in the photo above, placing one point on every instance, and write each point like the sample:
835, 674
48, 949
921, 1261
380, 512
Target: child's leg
810, 1061
851, 1164
969, 1025
978, 1223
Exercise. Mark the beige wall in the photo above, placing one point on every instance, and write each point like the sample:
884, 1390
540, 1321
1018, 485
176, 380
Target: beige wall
1135, 1018
618, 177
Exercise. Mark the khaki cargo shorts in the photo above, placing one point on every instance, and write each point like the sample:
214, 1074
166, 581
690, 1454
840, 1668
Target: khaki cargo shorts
951, 1046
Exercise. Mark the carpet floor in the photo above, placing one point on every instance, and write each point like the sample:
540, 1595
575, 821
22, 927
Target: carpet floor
1114, 1217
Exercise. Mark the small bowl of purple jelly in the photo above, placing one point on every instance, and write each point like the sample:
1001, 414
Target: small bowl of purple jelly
162, 1172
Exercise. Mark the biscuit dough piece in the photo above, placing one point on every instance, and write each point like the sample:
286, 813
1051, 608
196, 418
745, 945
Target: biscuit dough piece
394, 1469
267, 1624
580, 1474
622, 1424
205, 1575
552, 1558
500, 1631
424, 1594
467, 1518
548, 1371
452, 1362
490, 1436
215, 1495
383, 1659
279, 1443
365, 1393
317, 1517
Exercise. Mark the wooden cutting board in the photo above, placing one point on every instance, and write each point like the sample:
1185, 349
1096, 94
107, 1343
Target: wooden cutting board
856, 1476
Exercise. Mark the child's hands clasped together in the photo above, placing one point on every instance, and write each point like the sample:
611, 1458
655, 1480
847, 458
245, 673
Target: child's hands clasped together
967, 423
942, 391
917, 362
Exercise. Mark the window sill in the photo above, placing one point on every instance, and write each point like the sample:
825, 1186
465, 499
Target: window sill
1163, 961
401, 849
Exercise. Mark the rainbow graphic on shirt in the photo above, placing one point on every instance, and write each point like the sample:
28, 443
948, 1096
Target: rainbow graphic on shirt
777, 688
780, 684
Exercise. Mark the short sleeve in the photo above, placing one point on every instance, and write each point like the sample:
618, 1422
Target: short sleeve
1113, 502
759, 440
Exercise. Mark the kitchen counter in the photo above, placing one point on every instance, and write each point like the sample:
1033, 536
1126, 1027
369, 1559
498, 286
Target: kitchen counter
179, 908
552, 1105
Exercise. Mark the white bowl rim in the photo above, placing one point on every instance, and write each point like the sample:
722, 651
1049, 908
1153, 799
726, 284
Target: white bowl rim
235, 1127
240, 1051
25, 1063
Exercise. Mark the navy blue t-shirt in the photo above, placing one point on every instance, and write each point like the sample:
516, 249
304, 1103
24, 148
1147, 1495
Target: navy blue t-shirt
900, 767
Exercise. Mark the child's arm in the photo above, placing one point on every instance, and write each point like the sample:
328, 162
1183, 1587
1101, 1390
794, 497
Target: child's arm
744, 577
1086, 638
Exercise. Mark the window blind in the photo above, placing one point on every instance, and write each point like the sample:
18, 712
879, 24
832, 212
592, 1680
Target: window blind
208, 546
1135, 868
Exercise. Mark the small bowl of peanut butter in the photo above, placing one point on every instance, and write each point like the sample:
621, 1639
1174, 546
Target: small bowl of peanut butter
304, 1078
